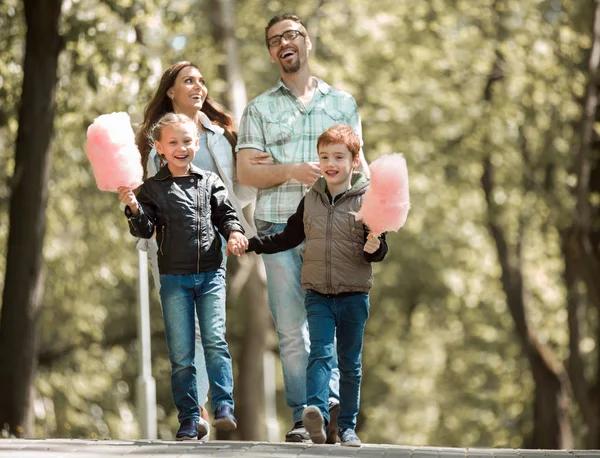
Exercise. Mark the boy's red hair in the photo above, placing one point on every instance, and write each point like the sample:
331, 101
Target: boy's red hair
340, 135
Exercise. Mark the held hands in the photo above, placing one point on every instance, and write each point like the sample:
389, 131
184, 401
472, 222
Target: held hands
373, 243
237, 244
306, 172
127, 196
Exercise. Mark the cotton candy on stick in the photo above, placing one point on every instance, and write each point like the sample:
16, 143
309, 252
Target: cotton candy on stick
112, 151
386, 203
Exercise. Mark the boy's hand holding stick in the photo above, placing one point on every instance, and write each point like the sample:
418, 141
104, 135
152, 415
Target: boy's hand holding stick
386, 203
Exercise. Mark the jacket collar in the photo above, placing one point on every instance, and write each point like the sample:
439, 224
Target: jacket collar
165, 173
208, 125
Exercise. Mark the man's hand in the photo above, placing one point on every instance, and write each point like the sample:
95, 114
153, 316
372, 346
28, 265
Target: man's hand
306, 172
262, 158
127, 196
256, 168
237, 244
373, 243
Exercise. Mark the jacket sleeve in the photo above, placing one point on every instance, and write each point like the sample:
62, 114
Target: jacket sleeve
143, 224
223, 213
291, 236
380, 254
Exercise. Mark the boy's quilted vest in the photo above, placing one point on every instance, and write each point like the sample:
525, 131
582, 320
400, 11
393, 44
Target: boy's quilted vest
334, 261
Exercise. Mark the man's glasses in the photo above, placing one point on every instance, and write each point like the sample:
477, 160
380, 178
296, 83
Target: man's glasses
289, 35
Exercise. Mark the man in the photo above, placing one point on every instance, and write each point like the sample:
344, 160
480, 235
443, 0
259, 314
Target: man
285, 122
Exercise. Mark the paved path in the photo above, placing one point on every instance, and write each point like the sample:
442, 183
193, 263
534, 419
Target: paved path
55, 448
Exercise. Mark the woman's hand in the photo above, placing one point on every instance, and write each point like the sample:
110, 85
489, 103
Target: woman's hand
237, 244
127, 196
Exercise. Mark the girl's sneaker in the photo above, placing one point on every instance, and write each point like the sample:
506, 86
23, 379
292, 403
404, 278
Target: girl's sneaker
224, 418
315, 424
203, 425
188, 430
349, 438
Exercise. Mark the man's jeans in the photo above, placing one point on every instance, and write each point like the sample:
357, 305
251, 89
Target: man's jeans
180, 295
345, 316
201, 375
286, 300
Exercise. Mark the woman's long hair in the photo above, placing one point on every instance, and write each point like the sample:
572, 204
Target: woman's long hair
161, 104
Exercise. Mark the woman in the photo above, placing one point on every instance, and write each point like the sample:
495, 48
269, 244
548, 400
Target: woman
182, 89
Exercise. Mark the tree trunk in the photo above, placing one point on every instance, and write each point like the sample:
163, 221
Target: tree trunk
551, 428
23, 283
580, 244
250, 405
248, 284
223, 20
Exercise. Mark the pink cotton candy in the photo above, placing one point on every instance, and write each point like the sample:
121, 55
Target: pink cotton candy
112, 151
386, 203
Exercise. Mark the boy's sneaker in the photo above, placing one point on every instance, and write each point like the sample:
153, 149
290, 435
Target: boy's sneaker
315, 424
298, 433
224, 418
332, 426
349, 438
188, 430
203, 425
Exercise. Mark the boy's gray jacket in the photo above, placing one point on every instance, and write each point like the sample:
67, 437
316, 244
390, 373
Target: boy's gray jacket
334, 260
184, 212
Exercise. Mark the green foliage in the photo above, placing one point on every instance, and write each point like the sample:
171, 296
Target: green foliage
440, 349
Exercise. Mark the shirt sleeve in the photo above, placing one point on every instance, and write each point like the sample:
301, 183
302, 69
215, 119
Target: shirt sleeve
251, 133
223, 213
291, 236
143, 224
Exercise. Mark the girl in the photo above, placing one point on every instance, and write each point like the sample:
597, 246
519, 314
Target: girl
183, 89
183, 205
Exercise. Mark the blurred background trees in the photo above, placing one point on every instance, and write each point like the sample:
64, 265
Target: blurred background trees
484, 326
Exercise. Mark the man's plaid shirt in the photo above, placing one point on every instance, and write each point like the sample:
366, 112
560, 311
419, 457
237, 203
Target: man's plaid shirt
278, 123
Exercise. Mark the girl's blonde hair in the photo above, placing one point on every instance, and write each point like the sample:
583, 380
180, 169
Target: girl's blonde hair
170, 119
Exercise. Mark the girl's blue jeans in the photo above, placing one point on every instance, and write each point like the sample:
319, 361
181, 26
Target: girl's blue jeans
181, 297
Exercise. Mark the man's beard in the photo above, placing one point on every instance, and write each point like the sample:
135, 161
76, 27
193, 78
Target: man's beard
293, 67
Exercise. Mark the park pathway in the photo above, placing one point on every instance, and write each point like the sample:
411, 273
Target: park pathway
55, 448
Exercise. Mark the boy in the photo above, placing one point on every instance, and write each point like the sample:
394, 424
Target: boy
337, 277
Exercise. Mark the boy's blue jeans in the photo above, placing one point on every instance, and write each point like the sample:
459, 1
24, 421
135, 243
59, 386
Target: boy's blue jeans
345, 316
182, 296
286, 301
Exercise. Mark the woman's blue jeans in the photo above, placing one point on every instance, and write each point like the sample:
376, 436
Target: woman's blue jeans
182, 296
329, 316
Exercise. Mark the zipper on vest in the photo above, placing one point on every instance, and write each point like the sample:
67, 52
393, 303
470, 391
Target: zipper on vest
330, 210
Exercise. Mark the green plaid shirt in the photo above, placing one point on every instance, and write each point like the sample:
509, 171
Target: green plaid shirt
278, 123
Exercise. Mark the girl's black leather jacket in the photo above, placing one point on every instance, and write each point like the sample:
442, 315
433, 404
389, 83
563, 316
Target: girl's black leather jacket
185, 212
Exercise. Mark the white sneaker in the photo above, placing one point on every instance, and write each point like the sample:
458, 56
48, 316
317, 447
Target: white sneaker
203, 429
